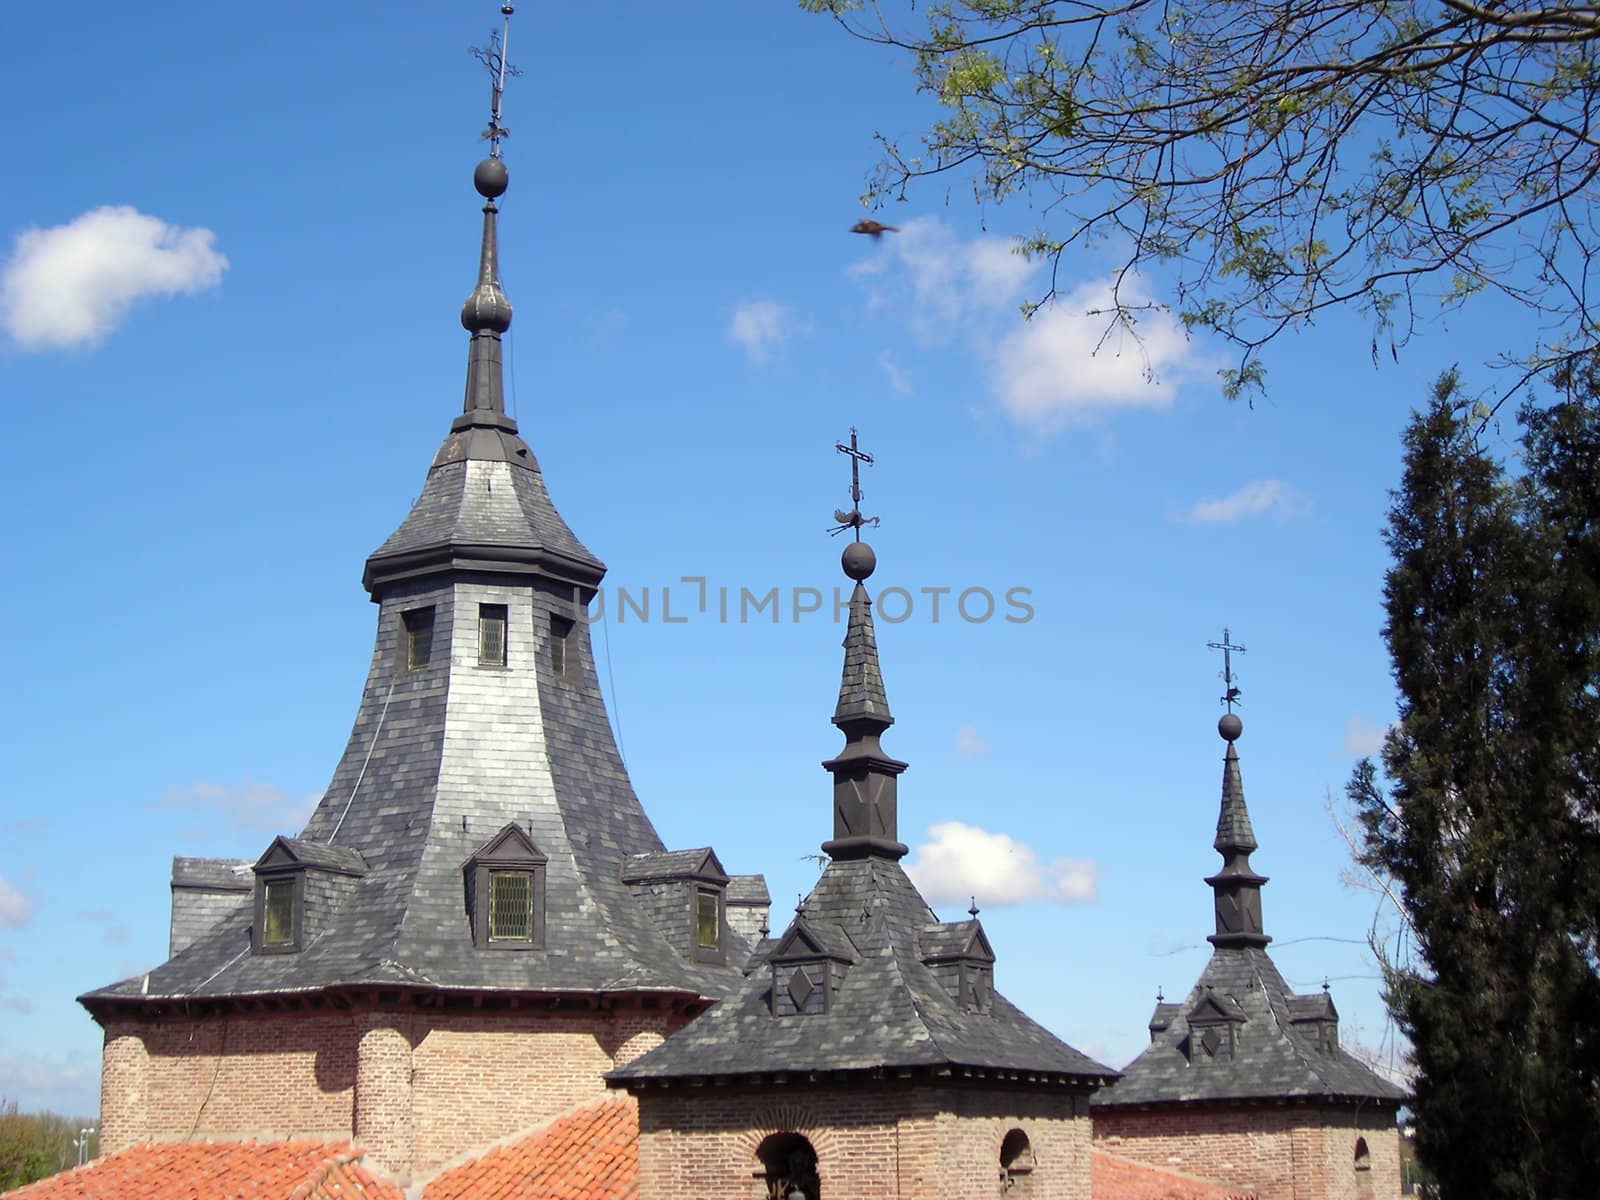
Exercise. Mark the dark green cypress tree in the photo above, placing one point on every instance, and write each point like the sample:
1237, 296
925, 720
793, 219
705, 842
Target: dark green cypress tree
1484, 814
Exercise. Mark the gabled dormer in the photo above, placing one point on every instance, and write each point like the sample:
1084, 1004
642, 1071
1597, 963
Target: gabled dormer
1214, 1021
807, 968
1161, 1019
1316, 1020
299, 885
686, 892
961, 959
504, 882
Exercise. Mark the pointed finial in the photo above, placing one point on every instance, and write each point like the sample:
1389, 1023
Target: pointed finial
853, 519
973, 911
493, 57
1230, 695
1160, 995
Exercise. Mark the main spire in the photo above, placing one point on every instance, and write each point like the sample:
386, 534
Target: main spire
487, 313
865, 822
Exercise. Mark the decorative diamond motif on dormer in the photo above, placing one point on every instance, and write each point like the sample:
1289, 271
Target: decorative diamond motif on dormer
800, 989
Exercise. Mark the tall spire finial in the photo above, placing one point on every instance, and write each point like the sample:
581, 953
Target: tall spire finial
853, 519
493, 57
1236, 887
1230, 695
865, 821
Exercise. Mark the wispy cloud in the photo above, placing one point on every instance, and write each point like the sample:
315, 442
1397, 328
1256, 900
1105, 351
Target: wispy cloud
961, 861
898, 382
248, 805
1259, 498
1071, 365
16, 1004
969, 744
16, 910
71, 285
69, 1086
761, 326
1363, 736
112, 931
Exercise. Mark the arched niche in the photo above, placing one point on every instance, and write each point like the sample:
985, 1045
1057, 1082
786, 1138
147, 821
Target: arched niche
789, 1167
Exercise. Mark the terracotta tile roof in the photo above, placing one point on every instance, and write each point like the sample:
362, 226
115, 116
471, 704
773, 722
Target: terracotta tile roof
1116, 1178
219, 1171
590, 1154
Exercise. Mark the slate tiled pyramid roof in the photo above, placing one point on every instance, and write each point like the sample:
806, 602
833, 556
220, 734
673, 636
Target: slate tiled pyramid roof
1241, 1034
865, 977
451, 746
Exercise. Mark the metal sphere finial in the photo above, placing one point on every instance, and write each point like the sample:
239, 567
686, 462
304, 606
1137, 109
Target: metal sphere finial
490, 177
1230, 727
858, 561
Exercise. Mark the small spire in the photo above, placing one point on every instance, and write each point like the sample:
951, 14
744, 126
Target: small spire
974, 910
487, 313
864, 777
1236, 887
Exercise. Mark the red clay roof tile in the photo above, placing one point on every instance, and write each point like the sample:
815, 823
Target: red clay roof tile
1115, 1178
590, 1154
219, 1171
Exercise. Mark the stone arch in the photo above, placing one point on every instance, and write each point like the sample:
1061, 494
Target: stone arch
1363, 1155
789, 1167
1016, 1163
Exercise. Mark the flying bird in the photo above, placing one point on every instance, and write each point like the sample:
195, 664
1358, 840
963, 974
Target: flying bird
876, 228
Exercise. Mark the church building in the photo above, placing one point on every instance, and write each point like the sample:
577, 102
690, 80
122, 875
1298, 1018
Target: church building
478, 970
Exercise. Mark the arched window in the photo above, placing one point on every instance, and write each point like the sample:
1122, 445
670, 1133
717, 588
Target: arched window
1363, 1155
1016, 1163
789, 1166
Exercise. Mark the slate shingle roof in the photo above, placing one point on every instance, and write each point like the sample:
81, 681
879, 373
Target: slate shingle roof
221, 874
590, 1154
442, 756
1272, 1058
219, 1171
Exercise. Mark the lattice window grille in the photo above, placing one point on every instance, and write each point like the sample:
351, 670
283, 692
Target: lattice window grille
510, 906
492, 635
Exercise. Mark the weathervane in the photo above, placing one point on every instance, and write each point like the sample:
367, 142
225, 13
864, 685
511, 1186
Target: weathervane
1230, 697
853, 519
493, 57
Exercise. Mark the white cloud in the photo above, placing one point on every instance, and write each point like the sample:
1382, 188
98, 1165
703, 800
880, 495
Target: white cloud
248, 805
1070, 365
761, 326
963, 861
1067, 367
969, 744
71, 285
69, 1086
16, 910
1261, 497
1363, 736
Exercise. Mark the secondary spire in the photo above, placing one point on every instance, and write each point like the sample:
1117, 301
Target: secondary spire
865, 821
1236, 888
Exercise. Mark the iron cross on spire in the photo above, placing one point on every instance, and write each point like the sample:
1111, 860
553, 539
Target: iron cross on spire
1230, 697
853, 519
493, 57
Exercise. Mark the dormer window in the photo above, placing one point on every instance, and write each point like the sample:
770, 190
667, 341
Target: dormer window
1214, 1023
285, 922
685, 893
418, 637
707, 919
491, 635
961, 959
505, 892
278, 913
807, 969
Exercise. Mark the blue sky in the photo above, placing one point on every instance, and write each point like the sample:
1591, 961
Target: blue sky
236, 241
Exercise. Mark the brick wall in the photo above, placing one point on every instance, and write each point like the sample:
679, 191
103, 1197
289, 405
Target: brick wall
419, 1090
873, 1141
1284, 1152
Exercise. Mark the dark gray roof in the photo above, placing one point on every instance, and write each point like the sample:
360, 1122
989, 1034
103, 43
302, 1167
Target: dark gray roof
1273, 1057
444, 755
1234, 831
672, 864
319, 855
861, 691
890, 1010
748, 889
219, 874
955, 939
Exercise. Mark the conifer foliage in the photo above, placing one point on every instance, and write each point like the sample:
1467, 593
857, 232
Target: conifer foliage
1485, 815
